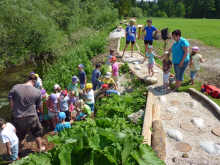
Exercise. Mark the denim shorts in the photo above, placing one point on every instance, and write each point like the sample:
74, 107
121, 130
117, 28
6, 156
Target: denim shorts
179, 71
82, 86
14, 152
193, 74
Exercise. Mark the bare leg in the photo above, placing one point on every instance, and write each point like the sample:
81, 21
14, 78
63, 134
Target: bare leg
146, 48
132, 49
149, 70
152, 71
124, 50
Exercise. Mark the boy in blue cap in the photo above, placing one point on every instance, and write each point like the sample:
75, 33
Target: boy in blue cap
82, 76
62, 123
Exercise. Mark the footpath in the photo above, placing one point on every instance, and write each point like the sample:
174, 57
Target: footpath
192, 130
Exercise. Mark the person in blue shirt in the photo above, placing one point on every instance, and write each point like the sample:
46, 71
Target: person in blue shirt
149, 30
62, 124
130, 36
96, 74
82, 76
180, 56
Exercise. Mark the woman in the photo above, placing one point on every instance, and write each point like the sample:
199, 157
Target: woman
180, 56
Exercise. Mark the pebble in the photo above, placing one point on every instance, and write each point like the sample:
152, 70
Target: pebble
163, 99
185, 155
210, 147
175, 134
198, 122
191, 104
216, 131
172, 109
183, 147
138, 67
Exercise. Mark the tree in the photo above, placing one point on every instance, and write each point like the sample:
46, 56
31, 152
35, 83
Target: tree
180, 10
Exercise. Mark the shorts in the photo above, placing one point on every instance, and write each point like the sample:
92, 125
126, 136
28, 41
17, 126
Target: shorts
96, 85
82, 86
51, 115
92, 106
166, 78
68, 115
193, 74
130, 41
78, 118
179, 71
150, 42
26, 125
150, 66
14, 152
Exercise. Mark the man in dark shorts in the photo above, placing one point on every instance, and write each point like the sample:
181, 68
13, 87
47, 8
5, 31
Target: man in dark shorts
149, 30
25, 101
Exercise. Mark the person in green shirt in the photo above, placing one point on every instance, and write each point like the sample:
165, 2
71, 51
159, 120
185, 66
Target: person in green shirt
74, 86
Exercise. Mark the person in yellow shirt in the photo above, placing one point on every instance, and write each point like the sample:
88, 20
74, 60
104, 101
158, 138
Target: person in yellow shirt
109, 80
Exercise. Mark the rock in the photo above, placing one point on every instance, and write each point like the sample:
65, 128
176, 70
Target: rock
175, 134
138, 67
198, 122
134, 117
187, 126
166, 116
136, 62
172, 109
216, 131
151, 80
191, 104
183, 147
210, 147
163, 99
185, 155
174, 159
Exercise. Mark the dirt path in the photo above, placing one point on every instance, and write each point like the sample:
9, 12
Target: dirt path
177, 112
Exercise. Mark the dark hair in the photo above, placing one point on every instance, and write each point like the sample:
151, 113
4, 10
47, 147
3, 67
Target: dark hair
98, 65
2, 122
112, 50
176, 32
149, 20
32, 77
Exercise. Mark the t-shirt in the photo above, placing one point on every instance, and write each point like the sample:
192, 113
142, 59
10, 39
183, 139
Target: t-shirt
115, 68
82, 77
87, 110
73, 87
64, 103
8, 135
62, 126
178, 52
95, 75
149, 33
90, 97
112, 91
196, 62
26, 100
108, 81
167, 65
151, 58
109, 60
38, 83
131, 33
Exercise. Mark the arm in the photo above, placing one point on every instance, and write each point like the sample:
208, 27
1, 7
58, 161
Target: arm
8, 146
11, 103
185, 49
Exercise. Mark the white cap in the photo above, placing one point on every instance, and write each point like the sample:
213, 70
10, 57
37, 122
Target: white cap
195, 48
56, 86
108, 75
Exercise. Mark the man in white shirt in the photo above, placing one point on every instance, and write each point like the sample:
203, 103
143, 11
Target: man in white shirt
8, 136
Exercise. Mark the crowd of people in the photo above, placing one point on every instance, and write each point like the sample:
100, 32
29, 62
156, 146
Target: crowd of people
181, 57
33, 109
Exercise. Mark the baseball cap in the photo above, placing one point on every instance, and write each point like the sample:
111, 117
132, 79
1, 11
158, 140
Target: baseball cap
62, 115
74, 79
195, 48
104, 86
108, 75
56, 86
113, 59
81, 66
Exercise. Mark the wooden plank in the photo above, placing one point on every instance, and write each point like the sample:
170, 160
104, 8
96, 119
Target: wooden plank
156, 111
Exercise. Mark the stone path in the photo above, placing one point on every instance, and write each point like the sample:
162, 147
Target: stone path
177, 112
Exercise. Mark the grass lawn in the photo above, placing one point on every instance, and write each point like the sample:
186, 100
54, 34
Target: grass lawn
191, 29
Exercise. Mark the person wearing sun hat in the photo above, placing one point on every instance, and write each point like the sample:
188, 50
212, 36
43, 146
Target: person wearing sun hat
195, 60
89, 95
74, 85
57, 90
62, 124
130, 35
82, 76
109, 80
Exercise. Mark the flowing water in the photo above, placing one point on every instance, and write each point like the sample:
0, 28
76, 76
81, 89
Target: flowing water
9, 78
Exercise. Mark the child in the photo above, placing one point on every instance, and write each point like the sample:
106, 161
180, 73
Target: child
64, 104
82, 76
43, 117
38, 83
109, 80
90, 99
148, 38
130, 36
8, 137
74, 85
95, 77
108, 63
195, 60
151, 61
52, 106
57, 90
62, 124
115, 70
84, 111
167, 64
72, 103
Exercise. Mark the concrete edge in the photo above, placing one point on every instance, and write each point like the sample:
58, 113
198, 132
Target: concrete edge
207, 100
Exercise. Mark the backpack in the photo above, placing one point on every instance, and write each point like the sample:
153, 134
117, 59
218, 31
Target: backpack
211, 90
164, 34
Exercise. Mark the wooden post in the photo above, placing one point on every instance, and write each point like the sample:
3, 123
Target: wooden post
139, 31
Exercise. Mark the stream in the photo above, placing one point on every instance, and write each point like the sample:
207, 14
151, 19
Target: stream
8, 78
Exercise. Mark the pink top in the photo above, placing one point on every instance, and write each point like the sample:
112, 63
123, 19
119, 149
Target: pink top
115, 69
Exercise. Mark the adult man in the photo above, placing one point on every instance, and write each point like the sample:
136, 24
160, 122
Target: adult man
25, 101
